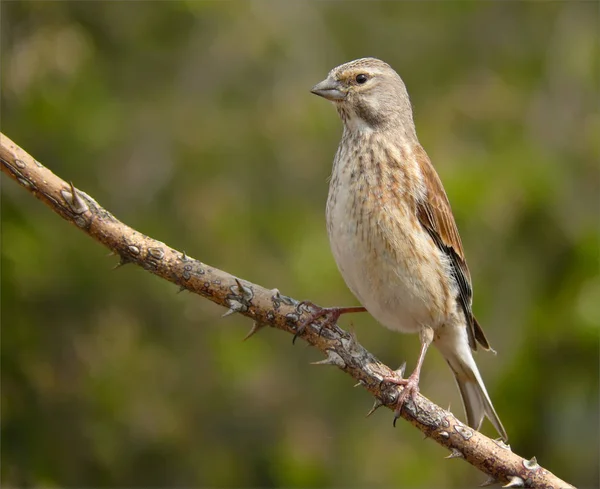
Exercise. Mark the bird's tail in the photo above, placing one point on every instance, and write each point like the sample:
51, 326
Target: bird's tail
475, 398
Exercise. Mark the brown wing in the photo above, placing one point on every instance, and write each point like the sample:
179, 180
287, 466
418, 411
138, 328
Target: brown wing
436, 217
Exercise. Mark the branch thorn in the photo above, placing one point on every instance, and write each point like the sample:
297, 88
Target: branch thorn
74, 200
490, 481
400, 370
515, 481
376, 405
229, 312
332, 359
256, 327
455, 454
531, 464
122, 261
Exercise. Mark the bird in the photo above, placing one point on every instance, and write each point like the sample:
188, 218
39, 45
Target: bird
393, 235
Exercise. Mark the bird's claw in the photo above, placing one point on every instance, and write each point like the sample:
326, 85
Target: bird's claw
332, 315
410, 391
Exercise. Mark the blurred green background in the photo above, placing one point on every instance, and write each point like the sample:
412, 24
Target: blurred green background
193, 122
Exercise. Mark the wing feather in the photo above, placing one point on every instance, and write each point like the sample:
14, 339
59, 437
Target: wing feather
435, 215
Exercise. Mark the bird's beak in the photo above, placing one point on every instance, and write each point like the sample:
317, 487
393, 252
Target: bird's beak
329, 89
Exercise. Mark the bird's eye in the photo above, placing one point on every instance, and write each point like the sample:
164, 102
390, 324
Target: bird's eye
361, 78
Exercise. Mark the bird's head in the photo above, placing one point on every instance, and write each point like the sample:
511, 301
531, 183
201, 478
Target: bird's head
368, 94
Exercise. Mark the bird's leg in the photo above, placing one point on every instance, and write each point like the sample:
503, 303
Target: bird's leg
331, 314
411, 385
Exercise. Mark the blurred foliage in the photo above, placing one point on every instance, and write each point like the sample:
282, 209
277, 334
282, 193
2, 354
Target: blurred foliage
193, 122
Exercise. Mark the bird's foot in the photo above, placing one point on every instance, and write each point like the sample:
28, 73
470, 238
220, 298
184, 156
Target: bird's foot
331, 315
410, 391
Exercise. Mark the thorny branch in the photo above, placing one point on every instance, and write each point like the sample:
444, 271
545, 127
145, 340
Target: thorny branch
270, 308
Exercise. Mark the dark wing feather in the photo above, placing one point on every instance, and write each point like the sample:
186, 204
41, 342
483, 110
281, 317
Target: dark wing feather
435, 215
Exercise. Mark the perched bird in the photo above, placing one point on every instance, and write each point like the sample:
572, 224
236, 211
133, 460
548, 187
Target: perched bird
392, 231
